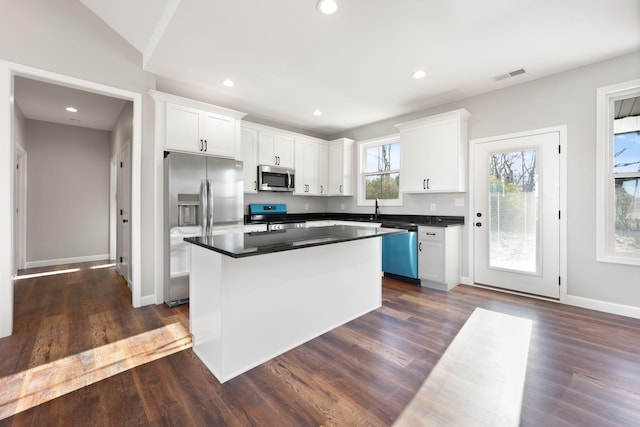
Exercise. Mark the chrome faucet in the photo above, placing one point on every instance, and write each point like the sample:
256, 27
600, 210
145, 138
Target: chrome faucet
377, 211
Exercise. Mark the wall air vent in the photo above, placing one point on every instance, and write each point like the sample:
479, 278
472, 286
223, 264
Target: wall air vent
509, 74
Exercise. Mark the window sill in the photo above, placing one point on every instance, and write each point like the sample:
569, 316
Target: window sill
619, 259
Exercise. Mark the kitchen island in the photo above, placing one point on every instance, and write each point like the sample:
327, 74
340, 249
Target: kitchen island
254, 296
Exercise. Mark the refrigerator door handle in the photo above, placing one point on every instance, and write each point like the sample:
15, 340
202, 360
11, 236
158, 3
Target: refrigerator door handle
204, 206
210, 206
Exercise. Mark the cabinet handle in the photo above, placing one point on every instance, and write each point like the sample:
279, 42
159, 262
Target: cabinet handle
201, 146
428, 184
321, 189
205, 145
340, 188
419, 246
430, 234
255, 185
424, 184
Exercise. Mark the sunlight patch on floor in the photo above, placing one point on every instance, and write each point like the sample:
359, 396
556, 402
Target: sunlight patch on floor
47, 273
29, 388
479, 381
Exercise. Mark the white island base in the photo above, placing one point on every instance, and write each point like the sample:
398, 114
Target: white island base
245, 311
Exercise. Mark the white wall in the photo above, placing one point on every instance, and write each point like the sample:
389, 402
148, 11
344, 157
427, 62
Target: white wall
19, 128
566, 98
67, 195
122, 129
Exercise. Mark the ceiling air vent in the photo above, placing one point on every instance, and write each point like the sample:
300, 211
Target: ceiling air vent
509, 74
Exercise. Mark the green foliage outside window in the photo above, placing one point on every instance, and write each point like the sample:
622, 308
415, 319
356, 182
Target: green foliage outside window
382, 171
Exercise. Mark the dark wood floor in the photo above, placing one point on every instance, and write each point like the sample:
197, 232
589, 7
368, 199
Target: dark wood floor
583, 367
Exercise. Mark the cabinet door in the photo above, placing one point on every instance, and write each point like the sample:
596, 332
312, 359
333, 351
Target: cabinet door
340, 168
335, 170
266, 148
442, 157
283, 150
431, 261
218, 134
306, 167
413, 157
323, 169
182, 128
249, 155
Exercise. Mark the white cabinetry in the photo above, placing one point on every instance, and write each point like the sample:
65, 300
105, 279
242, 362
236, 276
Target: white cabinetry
341, 167
311, 167
434, 153
439, 257
196, 127
275, 149
323, 169
306, 167
249, 157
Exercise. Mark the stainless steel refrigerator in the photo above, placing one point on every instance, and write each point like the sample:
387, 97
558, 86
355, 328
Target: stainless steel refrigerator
203, 196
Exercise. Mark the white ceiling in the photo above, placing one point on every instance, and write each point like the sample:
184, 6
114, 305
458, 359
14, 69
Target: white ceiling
288, 60
47, 102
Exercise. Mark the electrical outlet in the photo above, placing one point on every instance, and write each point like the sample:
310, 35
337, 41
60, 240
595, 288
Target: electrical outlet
459, 202
306, 206
342, 206
432, 207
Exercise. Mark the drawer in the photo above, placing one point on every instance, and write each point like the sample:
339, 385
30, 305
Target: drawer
431, 234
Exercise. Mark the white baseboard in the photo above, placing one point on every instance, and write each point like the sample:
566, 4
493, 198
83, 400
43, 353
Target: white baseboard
49, 262
607, 307
147, 300
466, 280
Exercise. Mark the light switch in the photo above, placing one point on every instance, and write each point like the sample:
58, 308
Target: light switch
432, 207
459, 202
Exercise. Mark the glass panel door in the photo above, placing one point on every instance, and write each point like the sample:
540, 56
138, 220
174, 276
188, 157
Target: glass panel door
514, 211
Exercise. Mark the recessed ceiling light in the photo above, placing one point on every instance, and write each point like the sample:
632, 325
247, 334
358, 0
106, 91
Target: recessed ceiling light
317, 113
327, 6
71, 109
418, 74
228, 83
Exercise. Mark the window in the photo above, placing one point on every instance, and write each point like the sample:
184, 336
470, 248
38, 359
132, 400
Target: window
619, 173
379, 172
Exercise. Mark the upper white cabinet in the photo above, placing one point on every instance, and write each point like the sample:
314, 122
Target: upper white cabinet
434, 153
275, 149
323, 169
249, 157
197, 127
311, 167
341, 167
306, 165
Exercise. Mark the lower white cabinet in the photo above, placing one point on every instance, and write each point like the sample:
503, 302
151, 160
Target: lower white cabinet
439, 257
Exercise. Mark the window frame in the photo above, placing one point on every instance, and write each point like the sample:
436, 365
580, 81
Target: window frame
605, 187
362, 174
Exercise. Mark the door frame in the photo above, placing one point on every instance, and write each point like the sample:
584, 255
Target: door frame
8, 70
562, 130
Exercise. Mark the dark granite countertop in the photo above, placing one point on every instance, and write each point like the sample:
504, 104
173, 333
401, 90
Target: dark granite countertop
421, 220
239, 245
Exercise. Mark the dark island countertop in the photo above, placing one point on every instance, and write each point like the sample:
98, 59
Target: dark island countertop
240, 245
418, 220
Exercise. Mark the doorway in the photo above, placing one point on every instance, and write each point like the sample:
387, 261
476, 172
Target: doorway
516, 217
8, 71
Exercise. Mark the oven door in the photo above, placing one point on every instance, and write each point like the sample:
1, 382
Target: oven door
272, 178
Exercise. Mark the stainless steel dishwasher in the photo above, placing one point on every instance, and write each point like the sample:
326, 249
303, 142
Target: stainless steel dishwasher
400, 253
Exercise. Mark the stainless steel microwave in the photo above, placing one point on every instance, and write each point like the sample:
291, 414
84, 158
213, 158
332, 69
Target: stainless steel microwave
275, 178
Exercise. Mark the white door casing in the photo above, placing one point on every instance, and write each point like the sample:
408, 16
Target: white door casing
525, 255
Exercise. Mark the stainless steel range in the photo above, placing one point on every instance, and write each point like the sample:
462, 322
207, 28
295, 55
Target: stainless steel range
274, 215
